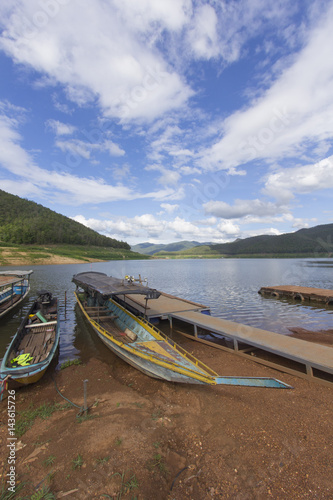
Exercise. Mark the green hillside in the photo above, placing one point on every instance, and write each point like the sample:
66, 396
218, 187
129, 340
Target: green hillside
24, 222
153, 249
315, 241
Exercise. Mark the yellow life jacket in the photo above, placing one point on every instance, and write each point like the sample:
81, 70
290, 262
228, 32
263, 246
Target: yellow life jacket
22, 360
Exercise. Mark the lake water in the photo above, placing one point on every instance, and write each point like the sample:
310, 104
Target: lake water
228, 286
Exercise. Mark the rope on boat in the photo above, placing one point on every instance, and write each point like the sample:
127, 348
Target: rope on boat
81, 408
4, 386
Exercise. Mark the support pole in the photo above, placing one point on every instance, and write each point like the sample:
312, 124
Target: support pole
85, 408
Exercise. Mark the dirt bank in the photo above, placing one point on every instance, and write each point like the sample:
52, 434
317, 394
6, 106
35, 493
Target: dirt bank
148, 439
14, 257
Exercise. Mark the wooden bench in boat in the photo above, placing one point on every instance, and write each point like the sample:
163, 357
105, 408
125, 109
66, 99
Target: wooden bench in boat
35, 325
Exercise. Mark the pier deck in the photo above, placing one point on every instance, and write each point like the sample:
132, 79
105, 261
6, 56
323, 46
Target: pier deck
298, 293
298, 357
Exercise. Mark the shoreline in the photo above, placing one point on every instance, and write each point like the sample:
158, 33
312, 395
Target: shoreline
146, 438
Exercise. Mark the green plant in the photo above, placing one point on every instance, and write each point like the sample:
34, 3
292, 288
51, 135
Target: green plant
156, 414
77, 462
118, 441
9, 495
49, 461
83, 418
101, 461
43, 494
157, 462
139, 405
27, 417
125, 486
70, 362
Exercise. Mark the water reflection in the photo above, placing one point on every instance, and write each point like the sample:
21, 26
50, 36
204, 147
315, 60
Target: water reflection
228, 286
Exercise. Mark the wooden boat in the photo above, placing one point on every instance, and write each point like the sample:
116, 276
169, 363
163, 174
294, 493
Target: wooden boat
14, 287
141, 344
34, 345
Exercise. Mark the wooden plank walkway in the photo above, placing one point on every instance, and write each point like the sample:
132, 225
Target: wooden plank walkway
298, 293
161, 308
295, 356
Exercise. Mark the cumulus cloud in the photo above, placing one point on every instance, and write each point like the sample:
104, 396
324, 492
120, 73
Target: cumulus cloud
242, 208
116, 63
60, 128
112, 51
149, 227
285, 182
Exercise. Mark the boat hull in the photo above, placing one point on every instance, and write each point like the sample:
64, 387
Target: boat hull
41, 341
140, 344
158, 368
145, 366
12, 305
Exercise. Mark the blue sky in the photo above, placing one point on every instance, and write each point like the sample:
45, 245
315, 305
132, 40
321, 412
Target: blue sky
170, 120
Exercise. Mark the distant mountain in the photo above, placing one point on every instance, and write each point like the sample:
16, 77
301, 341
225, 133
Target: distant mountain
25, 222
151, 248
315, 241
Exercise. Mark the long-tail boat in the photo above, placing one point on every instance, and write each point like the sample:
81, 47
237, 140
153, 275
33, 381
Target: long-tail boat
138, 342
14, 287
34, 345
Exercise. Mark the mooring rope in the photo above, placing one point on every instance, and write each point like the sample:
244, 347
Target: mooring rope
4, 386
81, 408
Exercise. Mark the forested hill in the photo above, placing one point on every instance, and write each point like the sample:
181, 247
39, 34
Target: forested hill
25, 222
315, 241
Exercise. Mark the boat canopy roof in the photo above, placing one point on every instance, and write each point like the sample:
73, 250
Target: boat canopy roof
109, 286
18, 274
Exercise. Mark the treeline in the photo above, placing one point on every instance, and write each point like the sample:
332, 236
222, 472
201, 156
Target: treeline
315, 241
24, 222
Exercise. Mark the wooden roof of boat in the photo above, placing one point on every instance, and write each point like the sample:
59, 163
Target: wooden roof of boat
108, 285
9, 277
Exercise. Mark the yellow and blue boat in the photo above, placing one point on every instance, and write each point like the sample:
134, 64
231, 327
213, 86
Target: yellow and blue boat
34, 345
141, 344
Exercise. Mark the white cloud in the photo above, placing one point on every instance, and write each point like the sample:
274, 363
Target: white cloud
167, 177
149, 227
83, 148
60, 128
294, 113
203, 35
62, 186
168, 208
242, 208
283, 183
228, 227
103, 51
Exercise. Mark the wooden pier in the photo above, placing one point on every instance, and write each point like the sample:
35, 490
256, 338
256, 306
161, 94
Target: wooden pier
282, 352
298, 293
159, 309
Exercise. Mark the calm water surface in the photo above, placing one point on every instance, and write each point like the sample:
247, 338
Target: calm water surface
228, 286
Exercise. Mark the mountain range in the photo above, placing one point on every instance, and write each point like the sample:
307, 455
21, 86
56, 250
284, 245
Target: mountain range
311, 242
